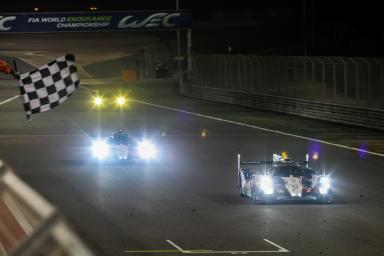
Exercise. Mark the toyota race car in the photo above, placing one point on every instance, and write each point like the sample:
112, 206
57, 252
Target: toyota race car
121, 146
282, 180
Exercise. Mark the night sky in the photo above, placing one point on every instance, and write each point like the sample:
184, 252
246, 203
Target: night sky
289, 27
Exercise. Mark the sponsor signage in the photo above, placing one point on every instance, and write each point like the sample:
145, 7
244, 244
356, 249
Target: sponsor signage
94, 21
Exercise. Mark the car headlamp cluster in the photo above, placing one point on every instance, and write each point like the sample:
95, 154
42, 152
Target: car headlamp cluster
119, 101
146, 150
98, 101
266, 185
100, 149
324, 185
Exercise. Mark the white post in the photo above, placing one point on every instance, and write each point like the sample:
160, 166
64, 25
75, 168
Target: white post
189, 50
238, 162
178, 43
307, 159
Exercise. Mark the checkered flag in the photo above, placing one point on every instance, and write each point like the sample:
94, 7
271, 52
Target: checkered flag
49, 85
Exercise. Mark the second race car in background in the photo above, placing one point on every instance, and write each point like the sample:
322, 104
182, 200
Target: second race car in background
121, 146
110, 101
282, 180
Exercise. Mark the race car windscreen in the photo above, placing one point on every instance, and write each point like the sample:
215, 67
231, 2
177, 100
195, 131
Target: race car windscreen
120, 139
286, 171
255, 169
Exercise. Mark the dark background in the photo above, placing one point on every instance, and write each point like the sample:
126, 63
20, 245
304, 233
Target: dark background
295, 27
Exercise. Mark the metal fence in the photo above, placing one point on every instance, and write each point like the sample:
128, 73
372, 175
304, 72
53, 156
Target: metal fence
29, 225
353, 81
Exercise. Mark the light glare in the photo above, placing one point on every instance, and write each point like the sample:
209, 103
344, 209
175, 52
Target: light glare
325, 185
100, 149
98, 101
120, 101
146, 150
267, 185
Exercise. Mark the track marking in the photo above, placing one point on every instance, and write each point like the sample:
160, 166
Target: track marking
86, 88
281, 249
39, 135
152, 251
252, 126
9, 100
259, 128
175, 245
181, 250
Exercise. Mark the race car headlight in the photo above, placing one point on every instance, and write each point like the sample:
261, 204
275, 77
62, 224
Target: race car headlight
267, 185
324, 185
100, 149
121, 101
98, 101
146, 150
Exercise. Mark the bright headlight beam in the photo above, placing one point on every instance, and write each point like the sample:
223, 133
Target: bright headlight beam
100, 149
146, 150
98, 101
267, 185
120, 101
324, 185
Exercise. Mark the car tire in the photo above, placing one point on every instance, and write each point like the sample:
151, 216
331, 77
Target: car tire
254, 197
239, 187
326, 199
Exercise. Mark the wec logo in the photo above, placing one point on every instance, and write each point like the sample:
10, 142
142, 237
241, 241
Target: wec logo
4, 20
156, 20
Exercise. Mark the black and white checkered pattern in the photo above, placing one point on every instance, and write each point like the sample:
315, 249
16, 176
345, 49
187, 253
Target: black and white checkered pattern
49, 85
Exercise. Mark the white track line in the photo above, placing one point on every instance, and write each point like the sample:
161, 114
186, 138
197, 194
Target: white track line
86, 88
254, 127
9, 100
260, 128
175, 245
281, 249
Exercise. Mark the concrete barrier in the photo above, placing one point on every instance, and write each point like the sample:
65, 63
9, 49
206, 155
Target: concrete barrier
351, 115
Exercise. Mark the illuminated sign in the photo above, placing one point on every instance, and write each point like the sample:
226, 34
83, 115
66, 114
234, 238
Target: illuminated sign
94, 21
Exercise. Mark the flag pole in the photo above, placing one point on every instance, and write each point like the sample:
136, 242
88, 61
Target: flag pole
14, 65
15, 71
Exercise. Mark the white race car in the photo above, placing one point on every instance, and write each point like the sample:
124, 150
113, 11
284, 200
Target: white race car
282, 180
121, 146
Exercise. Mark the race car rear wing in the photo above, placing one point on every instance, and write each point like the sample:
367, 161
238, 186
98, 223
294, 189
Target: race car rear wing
239, 162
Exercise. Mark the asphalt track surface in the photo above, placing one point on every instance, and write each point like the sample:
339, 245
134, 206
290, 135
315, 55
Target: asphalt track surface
188, 194
186, 200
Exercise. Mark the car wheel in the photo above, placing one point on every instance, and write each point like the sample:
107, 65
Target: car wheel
327, 199
239, 186
255, 198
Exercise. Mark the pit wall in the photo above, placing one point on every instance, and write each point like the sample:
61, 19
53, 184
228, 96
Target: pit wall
345, 114
337, 89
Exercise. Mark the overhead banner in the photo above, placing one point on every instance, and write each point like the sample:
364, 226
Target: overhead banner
93, 21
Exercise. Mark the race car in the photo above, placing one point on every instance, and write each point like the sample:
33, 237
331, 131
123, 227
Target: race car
102, 101
121, 146
282, 180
